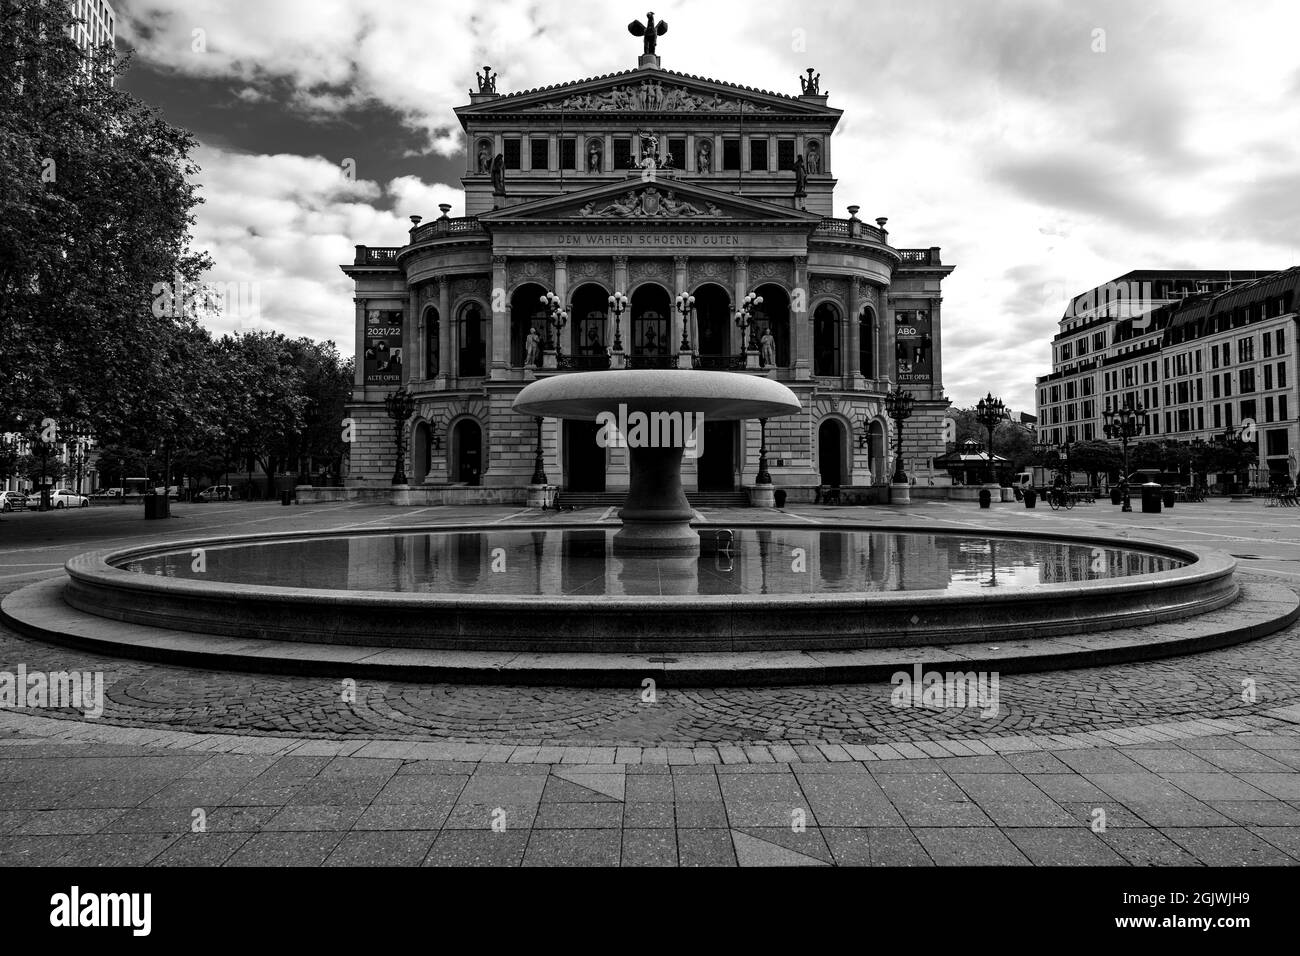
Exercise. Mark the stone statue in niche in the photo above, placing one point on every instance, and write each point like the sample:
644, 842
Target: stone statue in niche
704, 157
800, 177
767, 349
814, 160
484, 159
593, 156
499, 174
532, 348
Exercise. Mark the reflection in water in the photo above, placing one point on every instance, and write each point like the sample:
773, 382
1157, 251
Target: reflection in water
581, 562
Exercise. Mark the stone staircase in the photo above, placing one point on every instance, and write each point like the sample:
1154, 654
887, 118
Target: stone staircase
613, 499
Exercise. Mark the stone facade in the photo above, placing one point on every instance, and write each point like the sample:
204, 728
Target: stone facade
684, 185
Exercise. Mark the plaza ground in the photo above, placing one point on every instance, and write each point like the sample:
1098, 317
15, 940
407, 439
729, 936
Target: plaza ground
1181, 765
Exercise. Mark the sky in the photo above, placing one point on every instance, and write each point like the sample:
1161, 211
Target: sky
1047, 146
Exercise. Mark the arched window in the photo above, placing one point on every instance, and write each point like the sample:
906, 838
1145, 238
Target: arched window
471, 343
651, 328
590, 308
826, 340
774, 315
713, 319
526, 312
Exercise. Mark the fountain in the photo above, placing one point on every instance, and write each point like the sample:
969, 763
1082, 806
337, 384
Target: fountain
656, 515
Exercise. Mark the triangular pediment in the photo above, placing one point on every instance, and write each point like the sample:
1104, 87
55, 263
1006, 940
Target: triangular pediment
636, 201
648, 91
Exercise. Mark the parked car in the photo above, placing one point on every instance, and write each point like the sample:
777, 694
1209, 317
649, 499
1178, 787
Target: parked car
59, 498
12, 501
216, 493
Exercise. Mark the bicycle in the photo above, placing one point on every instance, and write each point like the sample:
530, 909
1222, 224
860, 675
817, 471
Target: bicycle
1058, 498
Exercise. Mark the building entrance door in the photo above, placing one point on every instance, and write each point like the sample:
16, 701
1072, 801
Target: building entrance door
717, 466
584, 460
469, 452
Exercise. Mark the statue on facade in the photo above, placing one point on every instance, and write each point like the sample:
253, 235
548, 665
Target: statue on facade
593, 156
499, 174
814, 160
532, 348
812, 84
487, 82
767, 349
650, 30
704, 157
800, 177
484, 159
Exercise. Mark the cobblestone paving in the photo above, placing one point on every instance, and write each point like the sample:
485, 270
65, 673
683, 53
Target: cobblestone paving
308, 784
147, 695
1210, 684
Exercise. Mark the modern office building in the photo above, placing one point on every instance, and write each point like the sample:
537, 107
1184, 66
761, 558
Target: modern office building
648, 183
97, 23
1201, 352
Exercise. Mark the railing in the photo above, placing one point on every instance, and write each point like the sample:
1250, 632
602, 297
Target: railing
463, 226
651, 361
720, 363
923, 257
585, 362
375, 255
850, 229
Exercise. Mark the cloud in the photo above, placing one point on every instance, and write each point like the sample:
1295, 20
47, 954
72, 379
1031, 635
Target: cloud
279, 226
996, 129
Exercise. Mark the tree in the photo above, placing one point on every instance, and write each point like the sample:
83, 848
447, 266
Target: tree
264, 417
96, 204
1096, 458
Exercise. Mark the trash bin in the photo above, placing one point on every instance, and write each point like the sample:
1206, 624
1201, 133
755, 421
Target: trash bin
1115, 497
1031, 497
779, 495
1151, 498
155, 506
286, 497
1169, 496
985, 497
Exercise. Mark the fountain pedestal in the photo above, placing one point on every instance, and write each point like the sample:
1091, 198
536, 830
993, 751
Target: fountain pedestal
672, 406
656, 515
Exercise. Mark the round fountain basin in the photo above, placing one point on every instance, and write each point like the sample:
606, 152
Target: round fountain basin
570, 589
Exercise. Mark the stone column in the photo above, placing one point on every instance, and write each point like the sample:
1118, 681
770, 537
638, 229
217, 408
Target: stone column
936, 352
739, 279
887, 340
444, 332
679, 283
853, 366
359, 373
802, 338
499, 344
413, 367
560, 265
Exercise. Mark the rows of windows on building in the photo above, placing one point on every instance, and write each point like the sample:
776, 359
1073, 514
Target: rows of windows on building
1198, 358
762, 152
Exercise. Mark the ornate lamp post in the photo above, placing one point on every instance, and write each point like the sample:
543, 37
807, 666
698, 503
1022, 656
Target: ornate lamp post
745, 322
1198, 449
1063, 449
898, 406
400, 405
539, 470
763, 477
556, 321
685, 304
1124, 423
618, 305
990, 412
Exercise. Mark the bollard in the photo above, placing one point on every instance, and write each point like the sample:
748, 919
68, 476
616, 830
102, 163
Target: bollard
286, 497
985, 497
